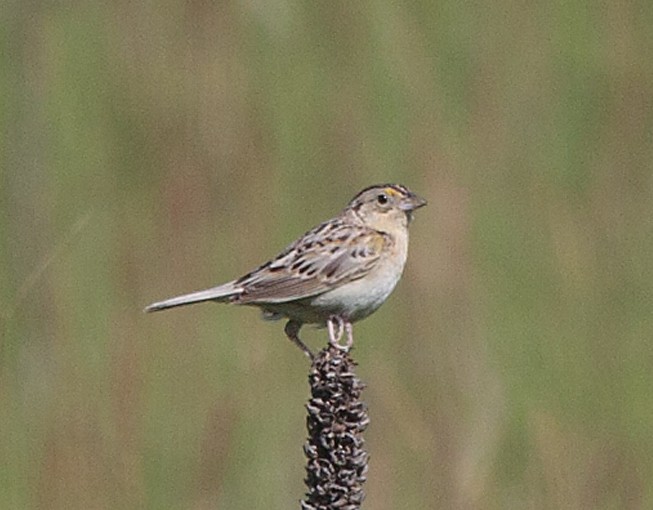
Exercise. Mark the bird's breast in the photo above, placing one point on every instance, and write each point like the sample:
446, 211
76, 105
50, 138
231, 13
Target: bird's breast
360, 298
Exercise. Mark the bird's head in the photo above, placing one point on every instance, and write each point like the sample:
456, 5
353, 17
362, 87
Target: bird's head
386, 206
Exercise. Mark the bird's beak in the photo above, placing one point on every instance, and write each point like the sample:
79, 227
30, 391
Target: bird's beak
412, 202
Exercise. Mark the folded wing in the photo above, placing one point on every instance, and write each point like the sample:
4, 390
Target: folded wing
327, 256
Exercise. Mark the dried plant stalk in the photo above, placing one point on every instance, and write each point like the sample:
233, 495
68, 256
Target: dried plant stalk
337, 461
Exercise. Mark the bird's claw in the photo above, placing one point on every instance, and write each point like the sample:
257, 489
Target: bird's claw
337, 326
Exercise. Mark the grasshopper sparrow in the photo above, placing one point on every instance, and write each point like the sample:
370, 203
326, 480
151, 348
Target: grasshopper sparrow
335, 274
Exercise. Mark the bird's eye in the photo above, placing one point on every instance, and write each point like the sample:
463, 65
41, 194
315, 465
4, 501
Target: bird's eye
382, 199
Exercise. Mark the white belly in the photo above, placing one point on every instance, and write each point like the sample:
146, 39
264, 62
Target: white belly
360, 298
357, 300
352, 301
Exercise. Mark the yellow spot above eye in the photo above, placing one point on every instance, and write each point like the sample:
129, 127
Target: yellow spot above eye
391, 191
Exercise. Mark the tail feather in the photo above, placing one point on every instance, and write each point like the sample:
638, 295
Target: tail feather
221, 293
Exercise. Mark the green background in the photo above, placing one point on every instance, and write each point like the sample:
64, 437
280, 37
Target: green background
153, 148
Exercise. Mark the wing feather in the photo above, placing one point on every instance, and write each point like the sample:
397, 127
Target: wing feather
323, 258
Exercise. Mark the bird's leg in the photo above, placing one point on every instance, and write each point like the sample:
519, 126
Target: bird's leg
292, 331
330, 329
336, 334
350, 334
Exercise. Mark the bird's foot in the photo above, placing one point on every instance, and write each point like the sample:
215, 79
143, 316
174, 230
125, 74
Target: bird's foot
337, 326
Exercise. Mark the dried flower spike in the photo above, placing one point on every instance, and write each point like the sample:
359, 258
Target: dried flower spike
337, 462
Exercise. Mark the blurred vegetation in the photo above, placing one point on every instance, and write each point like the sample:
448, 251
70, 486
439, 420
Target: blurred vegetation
153, 148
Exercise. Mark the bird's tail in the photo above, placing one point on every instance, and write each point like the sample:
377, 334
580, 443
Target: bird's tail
221, 293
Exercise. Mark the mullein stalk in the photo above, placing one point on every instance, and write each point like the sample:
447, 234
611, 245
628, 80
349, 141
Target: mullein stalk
337, 461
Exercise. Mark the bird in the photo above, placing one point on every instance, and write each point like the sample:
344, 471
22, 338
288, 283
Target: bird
337, 273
